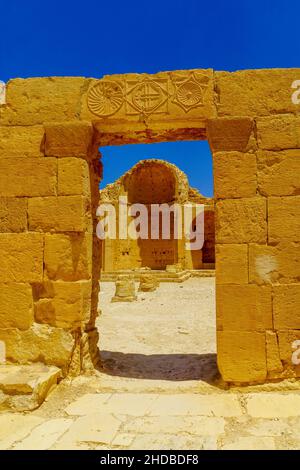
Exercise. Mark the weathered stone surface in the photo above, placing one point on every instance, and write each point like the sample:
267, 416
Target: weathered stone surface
272, 348
278, 132
225, 134
284, 219
250, 443
241, 220
232, 264
28, 176
13, 214
148, 283
65, 305
43, 436
197, 425
21, 141
278, 172
68, 139
201, 405
27, 386
273, 405
169, 88
244, 307
234, 174
37, 100
73, 177
15, 426
58, 214
255, 92
41, 343
82, 405
286, 301
16, 306
68, 257
242, 356
21, 257
95, 427
274, 264
125, 289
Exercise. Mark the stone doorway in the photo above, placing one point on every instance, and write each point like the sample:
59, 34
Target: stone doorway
51, 129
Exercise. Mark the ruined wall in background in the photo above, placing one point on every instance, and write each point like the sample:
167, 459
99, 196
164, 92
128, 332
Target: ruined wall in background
154, 181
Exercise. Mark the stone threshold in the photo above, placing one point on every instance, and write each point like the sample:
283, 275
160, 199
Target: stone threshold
162, 275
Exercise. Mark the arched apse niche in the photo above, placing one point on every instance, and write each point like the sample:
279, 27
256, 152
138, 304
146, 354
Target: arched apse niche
156, 182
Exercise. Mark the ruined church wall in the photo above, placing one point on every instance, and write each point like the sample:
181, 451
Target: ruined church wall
49, 132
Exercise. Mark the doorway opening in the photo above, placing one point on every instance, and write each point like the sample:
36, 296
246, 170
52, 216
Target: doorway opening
156, 336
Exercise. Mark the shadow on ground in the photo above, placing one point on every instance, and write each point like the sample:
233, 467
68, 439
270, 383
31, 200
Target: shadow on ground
175, 367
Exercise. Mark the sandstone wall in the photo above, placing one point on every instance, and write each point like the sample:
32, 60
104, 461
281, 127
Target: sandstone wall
50, 129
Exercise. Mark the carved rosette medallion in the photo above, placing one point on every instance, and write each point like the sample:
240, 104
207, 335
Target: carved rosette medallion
189, 92
105, 98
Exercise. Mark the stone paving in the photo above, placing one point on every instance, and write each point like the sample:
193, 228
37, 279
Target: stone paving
223, 420
117, 408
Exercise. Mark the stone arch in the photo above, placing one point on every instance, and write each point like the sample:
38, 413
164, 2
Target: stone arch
155, 181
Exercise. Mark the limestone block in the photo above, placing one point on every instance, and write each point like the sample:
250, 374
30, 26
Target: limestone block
73, 177
255, 92
278, 172
28, 176
60, 214
278, 132
68, 257
241, 220
36, 100
225, 134
234, 174
286, 303
18, 141
68, 139
244, 307
242, 356
13, 214
272, 348
65, 305
41, 343
21, 257
184, 94
274, 264
125, 289
26, 387
232, 264
16, 306
284, 218
174, 268
148, 283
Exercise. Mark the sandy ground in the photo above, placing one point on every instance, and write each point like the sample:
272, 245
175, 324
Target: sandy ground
166, 335
158, 387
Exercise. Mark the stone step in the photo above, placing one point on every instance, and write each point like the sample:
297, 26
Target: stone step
162, 275
25, 387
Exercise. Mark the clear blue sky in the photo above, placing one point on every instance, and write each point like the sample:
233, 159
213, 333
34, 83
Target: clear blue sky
96, 37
